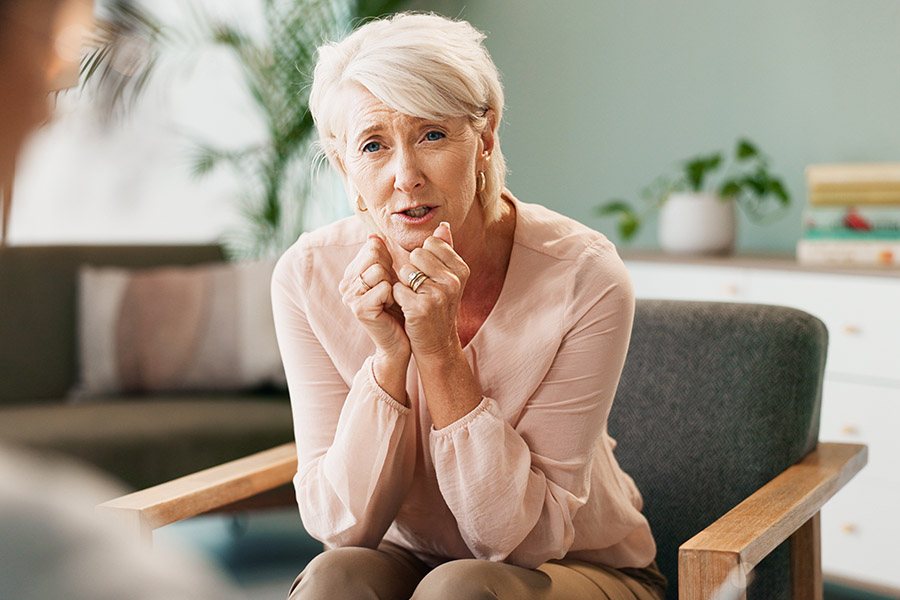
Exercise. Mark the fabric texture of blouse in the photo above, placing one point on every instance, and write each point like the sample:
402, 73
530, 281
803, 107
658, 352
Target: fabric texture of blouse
527, 476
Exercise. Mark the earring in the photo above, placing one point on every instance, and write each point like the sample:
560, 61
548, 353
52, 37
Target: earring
360, 205
480, 183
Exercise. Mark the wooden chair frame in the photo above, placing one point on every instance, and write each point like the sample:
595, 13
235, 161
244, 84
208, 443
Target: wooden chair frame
786, 507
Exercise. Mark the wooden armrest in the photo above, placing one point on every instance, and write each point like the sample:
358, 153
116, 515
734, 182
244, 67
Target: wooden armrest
746, 534
191, 495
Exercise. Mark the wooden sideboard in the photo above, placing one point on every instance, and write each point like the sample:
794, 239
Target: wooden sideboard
861, 397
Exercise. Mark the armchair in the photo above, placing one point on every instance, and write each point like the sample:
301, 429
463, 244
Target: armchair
717, 418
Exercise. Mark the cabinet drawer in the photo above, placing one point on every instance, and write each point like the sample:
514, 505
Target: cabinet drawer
860, 528
862, 413
862, 315
688, 282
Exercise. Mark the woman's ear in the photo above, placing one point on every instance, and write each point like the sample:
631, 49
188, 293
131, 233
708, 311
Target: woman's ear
337, 160
488, 134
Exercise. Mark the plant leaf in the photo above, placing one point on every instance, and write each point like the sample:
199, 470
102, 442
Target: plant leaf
628, 226
698, 168
779, 191
730, 188
629, 221
613, 207
746, 150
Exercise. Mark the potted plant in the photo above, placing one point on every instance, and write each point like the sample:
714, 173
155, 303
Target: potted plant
697, 214
131, 46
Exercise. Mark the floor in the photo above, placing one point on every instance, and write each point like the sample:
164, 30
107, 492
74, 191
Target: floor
262, 552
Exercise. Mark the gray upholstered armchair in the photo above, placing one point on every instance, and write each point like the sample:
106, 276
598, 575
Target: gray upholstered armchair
717, 420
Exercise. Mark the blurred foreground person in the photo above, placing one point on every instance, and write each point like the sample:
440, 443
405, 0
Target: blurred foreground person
52, 544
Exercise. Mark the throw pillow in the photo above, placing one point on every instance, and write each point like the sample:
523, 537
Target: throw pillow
169, 329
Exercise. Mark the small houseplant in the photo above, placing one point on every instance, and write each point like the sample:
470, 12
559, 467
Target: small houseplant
696, 212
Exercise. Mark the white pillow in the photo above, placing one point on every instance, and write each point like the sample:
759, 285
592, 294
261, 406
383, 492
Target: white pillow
204, 327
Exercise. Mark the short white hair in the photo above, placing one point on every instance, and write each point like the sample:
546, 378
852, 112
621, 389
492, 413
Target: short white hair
422, 65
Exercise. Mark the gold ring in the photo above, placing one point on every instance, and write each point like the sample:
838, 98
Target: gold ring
363, 281
416, 279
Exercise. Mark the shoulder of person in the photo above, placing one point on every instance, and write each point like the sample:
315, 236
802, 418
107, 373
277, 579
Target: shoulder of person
561, 237
338, 238
326, 249
591, 263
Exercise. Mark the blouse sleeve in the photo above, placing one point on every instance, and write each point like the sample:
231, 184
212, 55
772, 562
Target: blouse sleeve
355, 451
515, 490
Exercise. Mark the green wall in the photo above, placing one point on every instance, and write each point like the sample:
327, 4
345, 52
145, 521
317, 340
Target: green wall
603, 96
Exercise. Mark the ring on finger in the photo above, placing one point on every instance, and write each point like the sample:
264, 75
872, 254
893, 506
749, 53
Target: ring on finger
416, 279
363, 281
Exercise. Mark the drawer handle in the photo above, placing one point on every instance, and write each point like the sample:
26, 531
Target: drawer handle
850, 430
851, 329
849, 528
731, 289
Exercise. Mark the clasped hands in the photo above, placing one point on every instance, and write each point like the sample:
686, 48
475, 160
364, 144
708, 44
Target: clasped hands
398, 320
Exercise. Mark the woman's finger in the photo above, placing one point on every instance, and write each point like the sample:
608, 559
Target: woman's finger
403, 294
380, 252
375, 273
408, 275
443, 233
453, 275
445, 253
359, 272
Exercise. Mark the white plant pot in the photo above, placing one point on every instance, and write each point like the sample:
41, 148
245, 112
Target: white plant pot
695, 223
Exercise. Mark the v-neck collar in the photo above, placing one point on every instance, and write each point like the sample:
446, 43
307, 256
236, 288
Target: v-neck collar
513, 263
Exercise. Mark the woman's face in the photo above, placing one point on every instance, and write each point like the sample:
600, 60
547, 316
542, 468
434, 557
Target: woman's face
413, 173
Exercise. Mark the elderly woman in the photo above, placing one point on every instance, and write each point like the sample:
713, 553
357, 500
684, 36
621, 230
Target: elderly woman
452, 353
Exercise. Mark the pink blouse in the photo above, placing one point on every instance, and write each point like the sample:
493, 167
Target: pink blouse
527, 476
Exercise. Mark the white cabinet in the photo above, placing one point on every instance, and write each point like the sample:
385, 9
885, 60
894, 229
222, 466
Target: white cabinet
861, 396
689, 282
862, 315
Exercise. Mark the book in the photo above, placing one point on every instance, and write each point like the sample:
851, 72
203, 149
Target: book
855, 197
852, 215
851, 222
846, 177
880, 253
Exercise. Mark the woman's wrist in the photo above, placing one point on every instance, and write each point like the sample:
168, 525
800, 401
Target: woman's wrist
389, 369
450, 387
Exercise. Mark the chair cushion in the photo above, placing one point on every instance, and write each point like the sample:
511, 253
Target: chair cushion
154, 439
715, 400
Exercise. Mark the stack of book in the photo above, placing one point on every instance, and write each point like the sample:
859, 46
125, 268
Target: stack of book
852, 215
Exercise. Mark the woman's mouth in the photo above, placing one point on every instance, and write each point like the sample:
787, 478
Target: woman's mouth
418, 212
417, 215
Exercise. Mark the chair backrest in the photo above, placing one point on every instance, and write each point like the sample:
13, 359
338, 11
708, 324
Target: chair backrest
715, 400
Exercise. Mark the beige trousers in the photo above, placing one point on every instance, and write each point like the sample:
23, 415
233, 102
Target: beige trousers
393, 573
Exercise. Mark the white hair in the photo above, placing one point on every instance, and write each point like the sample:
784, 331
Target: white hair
422, 65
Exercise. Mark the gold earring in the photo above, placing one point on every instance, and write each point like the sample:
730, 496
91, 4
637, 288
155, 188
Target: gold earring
360, 205
479, 185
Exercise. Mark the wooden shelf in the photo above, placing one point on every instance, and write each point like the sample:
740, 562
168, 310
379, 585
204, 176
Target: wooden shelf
779, 261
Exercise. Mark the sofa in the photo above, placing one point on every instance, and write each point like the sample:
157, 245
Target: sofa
99, 377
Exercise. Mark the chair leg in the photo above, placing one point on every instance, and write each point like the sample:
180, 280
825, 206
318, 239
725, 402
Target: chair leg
806, 560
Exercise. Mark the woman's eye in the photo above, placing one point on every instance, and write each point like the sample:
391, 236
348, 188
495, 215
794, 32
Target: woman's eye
433, 136
372, 147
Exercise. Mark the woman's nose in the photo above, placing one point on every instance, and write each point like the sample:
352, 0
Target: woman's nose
408, 175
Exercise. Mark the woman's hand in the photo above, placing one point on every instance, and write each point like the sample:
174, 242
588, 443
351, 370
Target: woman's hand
451, 391
430, 312
366, 289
